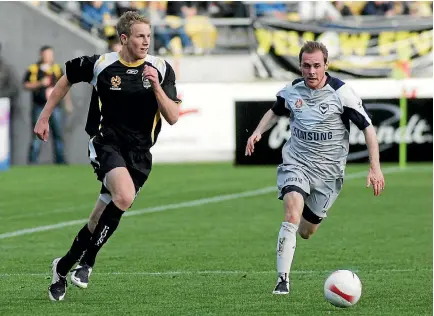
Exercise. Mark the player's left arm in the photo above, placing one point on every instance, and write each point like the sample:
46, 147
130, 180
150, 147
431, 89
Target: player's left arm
165, 93
355, 111
375, 175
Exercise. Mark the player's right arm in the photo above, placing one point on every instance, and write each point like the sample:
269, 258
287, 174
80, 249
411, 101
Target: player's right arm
267, 121
77, 70
60, 89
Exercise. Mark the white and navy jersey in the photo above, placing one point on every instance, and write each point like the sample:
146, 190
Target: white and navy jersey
123, 105
320, 125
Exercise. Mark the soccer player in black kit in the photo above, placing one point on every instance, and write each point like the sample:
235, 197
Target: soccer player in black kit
130, 91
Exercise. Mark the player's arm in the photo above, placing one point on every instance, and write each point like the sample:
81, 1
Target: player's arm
375, 176
268, 120
168, 108
355, 111
373, 148
165, 93
60, 90
69, 106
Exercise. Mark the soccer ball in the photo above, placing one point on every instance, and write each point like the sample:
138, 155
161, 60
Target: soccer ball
343, 288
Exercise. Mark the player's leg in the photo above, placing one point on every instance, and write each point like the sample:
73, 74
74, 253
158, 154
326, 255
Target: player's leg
123, 184
61, 266
309, 223
80, 275
139, 170
294, 187
103, 200
322, 196
103, 157
120, 184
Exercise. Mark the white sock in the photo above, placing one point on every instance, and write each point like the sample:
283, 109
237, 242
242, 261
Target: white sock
286, 243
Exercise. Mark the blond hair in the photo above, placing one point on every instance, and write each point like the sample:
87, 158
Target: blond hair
311, 47
127, 20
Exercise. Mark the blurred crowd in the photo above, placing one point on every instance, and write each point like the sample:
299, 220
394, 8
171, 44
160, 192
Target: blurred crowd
184, 27
189, 27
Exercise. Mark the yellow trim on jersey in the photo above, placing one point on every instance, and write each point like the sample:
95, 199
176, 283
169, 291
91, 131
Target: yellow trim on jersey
135, 64
100, 107
156, 119
33, 73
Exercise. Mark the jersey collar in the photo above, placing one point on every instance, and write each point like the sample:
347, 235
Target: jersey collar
134, 64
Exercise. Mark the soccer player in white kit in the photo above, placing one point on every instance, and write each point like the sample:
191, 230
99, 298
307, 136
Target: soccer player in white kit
309, 180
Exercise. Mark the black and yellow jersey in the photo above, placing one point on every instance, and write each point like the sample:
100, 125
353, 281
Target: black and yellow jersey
36, 73
123, 105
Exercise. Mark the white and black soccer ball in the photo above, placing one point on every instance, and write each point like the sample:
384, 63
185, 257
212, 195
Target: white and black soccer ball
343, 288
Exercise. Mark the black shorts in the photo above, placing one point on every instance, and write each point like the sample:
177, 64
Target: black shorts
105, 155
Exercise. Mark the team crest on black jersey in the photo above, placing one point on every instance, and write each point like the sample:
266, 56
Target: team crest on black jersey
116, 81
146, 83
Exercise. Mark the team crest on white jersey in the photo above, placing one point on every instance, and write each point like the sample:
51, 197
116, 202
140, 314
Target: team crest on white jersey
298, 105
323, 108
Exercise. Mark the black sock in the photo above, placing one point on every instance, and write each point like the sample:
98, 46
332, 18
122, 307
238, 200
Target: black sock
79, 245
107, 224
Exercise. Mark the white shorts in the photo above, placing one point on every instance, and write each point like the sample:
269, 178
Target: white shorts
319, 194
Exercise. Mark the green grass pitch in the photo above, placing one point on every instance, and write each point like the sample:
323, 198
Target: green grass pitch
216, 255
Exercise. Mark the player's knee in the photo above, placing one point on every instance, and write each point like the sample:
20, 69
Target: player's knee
292, 217
124, 200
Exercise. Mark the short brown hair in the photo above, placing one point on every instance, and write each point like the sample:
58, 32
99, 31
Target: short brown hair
127, 20
311, 47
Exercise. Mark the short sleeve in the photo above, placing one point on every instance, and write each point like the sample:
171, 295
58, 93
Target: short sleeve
169, 84
279, 107
81, 69
354, 108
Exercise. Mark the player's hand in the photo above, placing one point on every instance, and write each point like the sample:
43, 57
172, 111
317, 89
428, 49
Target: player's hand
151, 74
250, 148
376, 178
42, 129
